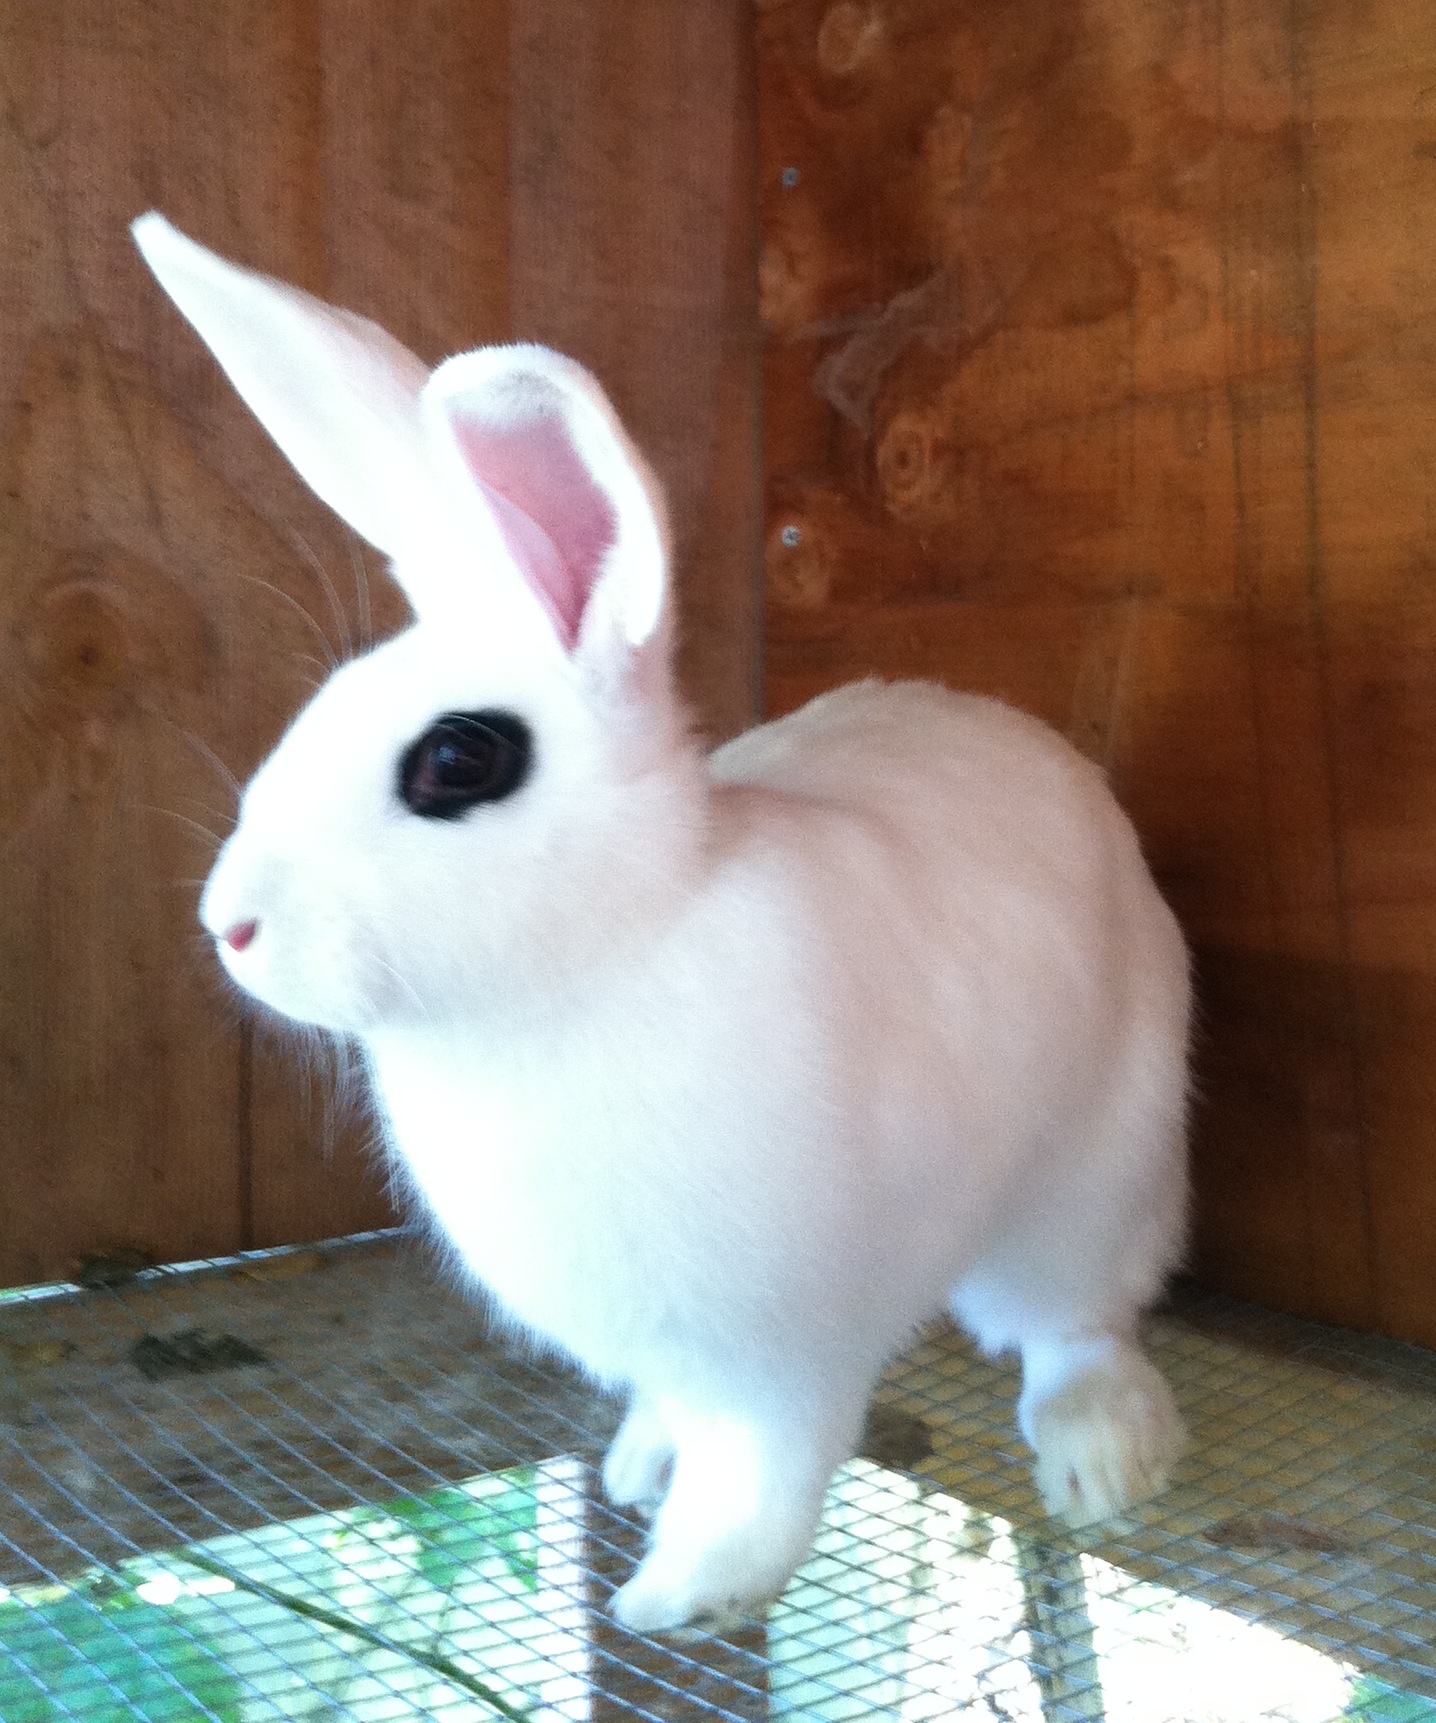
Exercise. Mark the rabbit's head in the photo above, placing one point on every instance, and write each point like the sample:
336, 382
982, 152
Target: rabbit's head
505, 796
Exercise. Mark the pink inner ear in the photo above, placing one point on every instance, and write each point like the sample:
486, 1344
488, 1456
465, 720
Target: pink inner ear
556, 521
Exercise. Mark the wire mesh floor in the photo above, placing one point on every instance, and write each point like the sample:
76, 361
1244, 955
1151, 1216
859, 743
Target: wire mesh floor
307, 1484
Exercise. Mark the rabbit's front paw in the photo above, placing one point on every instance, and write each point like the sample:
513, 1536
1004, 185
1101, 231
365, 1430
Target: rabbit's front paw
1104, 1440
744, 1500
639, 1461
713, 1590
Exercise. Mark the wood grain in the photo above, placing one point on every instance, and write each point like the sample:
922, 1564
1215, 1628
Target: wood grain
633, 245
461, 170
1100, 375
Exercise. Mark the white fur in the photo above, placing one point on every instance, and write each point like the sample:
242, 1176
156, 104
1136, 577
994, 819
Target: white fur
723, 1076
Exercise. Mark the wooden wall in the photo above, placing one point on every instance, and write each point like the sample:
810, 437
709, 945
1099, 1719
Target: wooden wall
462, 170
1101, 374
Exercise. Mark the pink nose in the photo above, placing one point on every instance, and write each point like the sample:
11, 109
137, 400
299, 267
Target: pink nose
241, 934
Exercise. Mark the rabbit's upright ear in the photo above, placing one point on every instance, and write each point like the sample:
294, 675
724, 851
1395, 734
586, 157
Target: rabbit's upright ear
531, 436
338, 394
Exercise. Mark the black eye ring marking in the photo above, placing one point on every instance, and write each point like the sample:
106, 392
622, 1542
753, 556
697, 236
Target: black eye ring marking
463, 759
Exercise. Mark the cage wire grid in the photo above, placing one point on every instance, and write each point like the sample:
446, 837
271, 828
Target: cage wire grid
310, 1483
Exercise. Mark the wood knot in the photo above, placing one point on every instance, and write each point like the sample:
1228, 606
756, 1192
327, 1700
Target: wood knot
78, 643
790, 278
848, 37
100, 639
910, 465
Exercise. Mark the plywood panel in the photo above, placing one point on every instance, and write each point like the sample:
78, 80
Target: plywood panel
633, 245
168, 591
1100, 374
165, 591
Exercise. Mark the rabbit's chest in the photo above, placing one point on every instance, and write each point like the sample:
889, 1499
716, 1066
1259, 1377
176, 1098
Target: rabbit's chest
522, 1187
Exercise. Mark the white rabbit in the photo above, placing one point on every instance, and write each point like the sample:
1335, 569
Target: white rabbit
723, 1075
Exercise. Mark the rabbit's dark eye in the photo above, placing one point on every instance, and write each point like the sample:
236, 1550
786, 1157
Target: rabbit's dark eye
462, 759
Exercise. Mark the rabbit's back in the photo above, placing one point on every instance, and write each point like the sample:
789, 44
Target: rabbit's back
960, 810
977, 907
869, 745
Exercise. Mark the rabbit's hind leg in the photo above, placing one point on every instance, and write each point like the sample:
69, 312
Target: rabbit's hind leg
1100, 1419
1097, 1413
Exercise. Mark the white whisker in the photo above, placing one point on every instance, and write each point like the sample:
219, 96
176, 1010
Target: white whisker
290, 599
327, 586
225, 816
406, 984
315, 684
361, 590
185, 820
206, 753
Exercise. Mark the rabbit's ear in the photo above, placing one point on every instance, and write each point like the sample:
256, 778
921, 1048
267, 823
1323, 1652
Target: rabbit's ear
339, 395
531, 436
